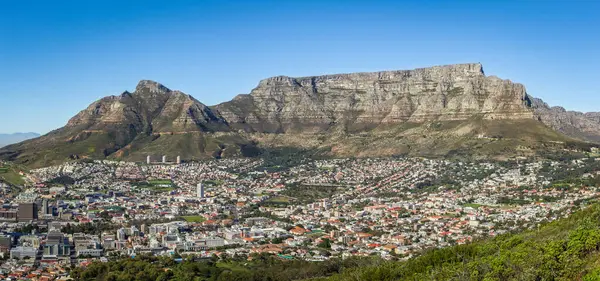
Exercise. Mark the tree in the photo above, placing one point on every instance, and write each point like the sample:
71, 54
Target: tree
326, 244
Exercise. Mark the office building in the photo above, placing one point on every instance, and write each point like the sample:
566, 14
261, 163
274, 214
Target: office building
57, 245
45, 206
121, 235
46, 209
5, 244
200, 190
209, 243
23, 253
8, 215
27, 212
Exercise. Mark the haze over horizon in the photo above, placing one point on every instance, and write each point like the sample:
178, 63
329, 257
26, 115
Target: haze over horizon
59, 57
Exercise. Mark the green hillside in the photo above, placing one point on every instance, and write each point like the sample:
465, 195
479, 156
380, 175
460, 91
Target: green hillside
10, 175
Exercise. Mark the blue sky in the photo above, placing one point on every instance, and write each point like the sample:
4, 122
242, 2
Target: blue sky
56, 57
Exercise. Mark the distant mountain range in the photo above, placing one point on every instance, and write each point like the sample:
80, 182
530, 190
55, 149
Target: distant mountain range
441, 110
6, 139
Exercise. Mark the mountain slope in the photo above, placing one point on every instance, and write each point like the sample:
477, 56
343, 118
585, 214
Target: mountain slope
6, 139
441, 110
151, 120
585, 126
361, 101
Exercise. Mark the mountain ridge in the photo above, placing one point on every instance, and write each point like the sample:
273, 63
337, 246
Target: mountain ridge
362, 100
438, 110
150, 120
581, 125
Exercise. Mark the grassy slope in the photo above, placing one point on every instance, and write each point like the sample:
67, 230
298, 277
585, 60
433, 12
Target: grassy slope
567, 249
10, 175
55, 149
503, 138
188, 146
447, 138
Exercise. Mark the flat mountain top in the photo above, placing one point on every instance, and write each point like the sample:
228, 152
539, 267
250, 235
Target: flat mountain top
440, 110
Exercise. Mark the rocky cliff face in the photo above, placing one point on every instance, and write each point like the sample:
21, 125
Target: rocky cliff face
585, 126
153, 120
453, 109
359, 101
151, 108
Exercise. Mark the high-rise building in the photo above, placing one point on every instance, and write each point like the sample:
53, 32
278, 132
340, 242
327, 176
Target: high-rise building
178, 159
200, 190
164, 159
56, 245
45, 206
47, 210
134, 231
148, 160
27, 212
121, 236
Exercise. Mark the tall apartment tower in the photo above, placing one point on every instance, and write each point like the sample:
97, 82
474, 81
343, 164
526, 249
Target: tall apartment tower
164, 159
178, 159
200, 190
148, 160
45, 206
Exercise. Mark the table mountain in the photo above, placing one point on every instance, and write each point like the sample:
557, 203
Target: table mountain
359, 101
441, 110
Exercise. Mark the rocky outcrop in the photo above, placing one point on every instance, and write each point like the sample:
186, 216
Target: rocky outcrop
152, 120
585, 126
359, 101
151, 108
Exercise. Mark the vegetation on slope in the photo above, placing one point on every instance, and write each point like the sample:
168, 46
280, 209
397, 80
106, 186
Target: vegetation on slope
10, 175
262, 267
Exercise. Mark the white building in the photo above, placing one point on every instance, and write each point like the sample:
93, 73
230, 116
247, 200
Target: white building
23, 252
121, 236
200, 190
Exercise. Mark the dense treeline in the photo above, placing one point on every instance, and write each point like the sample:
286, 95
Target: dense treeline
88, 228
262, 267
62, 180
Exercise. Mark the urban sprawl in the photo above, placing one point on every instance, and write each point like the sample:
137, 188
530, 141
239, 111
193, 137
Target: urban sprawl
94, 211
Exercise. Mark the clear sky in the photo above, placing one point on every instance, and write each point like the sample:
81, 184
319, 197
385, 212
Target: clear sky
57, 57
